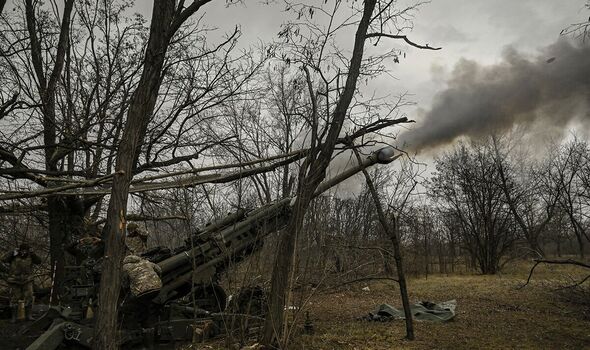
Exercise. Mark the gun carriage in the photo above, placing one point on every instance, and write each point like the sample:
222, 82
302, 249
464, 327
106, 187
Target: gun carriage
190, 270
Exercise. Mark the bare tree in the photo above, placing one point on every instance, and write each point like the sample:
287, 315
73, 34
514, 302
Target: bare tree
108, 99
392, 232
531, 200
68, 92
313, 46
61, 129
33, 71
167, 18
467, 186
567, 172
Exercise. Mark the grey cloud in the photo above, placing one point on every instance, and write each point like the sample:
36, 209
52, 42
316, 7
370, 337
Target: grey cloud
444, 34
517, 91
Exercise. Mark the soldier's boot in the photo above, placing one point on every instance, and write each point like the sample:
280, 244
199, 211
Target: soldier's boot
149, 339
20, 311
29, 313
13, 311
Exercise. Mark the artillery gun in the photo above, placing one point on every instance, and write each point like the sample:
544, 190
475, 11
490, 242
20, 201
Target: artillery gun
190, 270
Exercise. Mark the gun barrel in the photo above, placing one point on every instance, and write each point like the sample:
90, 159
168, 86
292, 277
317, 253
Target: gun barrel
382, 156
239, 235
226, 221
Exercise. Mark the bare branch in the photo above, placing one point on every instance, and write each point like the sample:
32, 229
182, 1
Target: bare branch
555, 262
402, 37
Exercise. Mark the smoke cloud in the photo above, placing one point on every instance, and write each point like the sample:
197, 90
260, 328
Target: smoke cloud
551, 90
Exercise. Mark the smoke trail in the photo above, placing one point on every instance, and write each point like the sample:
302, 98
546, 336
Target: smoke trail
551, 89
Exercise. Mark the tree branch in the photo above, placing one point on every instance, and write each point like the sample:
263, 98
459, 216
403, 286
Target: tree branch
20, 170
402, 37
556, 262
8, 106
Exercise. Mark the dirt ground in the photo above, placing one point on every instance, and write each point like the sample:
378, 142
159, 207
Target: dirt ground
493, 312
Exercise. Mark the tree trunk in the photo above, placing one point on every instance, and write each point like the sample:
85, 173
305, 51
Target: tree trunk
392, 232
47, 78
66, 218
140, 112
273, 326
282, 267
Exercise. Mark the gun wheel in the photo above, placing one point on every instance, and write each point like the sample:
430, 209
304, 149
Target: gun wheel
210, 297
250, 301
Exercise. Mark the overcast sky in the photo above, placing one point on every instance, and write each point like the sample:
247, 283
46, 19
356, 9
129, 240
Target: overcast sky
475, 30
479, 31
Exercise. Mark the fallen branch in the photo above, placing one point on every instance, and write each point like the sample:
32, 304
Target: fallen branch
301, 152
193, 181
22, 209
576, 284
555, 262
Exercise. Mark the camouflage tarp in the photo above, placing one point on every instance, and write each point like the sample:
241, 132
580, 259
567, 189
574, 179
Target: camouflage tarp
423, 311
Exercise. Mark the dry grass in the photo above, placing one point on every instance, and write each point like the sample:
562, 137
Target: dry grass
492, 313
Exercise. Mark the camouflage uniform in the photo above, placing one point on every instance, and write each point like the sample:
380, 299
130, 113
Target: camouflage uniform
142, 276
136, 240
85, 248
142, 279
20, 277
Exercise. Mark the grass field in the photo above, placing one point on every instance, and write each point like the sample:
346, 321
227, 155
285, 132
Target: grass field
492, 313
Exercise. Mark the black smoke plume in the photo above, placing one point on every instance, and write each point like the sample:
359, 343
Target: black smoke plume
552, 89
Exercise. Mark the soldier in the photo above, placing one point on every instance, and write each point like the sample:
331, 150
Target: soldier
90, 245
20, 278
142, 278
136, 239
